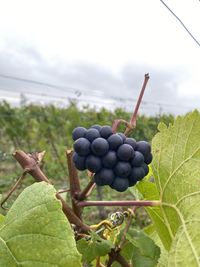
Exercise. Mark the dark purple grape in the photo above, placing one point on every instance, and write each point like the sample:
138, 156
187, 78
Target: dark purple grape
92, 134
125, 152
106, 131
114, 141
99, 146
132, 180
96, 126
137, 173
145, 168
79, 161
131, 142
104, 177
123, 136
148, 158
93, 163
82, 146
109, 160
122, 169
143, 147
138, 159
120, 184
78, 132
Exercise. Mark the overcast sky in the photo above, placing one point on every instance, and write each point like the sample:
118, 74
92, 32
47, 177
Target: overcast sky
99, 52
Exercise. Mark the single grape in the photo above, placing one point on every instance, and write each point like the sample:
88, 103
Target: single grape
132, 180
93, 163
137, 173
123, 136
109, 160
82, 146
104, 177
114, 141
78, 132
131, 142
148, 158
98, 180
96, 126
99, 146
143, 147
122, 169
145, 168
92, 134
106, 131
138, 159
125, 152
120, 184
79, 161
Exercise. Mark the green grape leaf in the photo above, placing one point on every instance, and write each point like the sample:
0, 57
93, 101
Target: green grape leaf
144, 252
35, 231
135, 192
1, 219
151, 232
176, 169
149, 191
94, 247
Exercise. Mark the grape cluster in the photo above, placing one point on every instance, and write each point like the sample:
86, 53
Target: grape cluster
116, 160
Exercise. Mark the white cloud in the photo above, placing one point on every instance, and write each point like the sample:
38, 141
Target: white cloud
53, 40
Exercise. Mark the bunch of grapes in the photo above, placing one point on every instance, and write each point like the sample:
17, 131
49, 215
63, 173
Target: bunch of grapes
115, 160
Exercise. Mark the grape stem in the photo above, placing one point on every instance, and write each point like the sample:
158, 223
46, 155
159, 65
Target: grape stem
132, 124
74, 183
133, 120
31, 162
136, 203
13, 188
117, 122
87, 190
120, 259
115, 255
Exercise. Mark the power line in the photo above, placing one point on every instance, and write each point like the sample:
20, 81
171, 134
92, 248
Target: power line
89, 94
181, 22
72, 89
35, 82
86, 93
144, 105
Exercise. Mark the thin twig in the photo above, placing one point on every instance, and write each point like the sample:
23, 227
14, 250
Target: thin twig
117, 123
123, 238
120, 259
13, 188
60, 191
87, 190
115, 255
